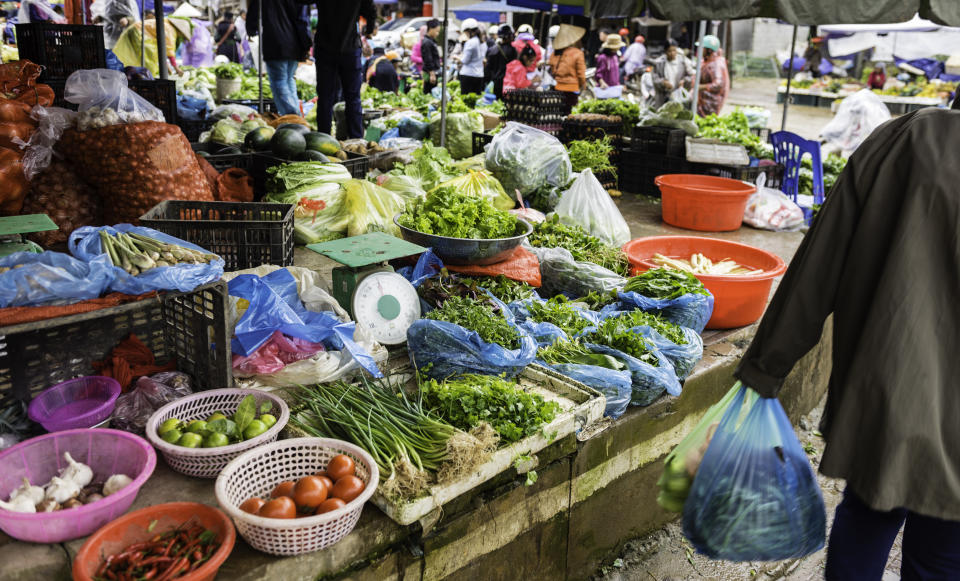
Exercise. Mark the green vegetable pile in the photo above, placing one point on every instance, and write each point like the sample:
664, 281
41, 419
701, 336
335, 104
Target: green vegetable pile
596, 300
454, 215
629, 112
670, 331
228, 71
479, 316
670, 114
665, 283
469, 400
436, 290
576, 353
505, 289
615, 333
552, 233
594, 155
560, 312
250, 88
733, 128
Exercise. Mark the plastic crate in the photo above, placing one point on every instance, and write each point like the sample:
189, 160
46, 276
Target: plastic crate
159, 93
357, 164
224, 161
574, 129
245, 235
61, 48
541, 109
268, 105
193, 128
659, 140
638, 169
762, 132
773, 173
607, 179
480, 141
189, 328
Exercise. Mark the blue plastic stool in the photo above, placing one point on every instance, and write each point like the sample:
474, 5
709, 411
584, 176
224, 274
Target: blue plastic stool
789, 149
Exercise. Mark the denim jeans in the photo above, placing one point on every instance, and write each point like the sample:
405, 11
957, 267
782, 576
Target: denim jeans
345, 68
284, 86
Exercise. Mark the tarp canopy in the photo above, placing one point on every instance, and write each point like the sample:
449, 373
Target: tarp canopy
489, 10
914, 39
594, 8
575, 9
915, 24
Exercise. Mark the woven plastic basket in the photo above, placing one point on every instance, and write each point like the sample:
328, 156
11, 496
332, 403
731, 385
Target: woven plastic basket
257, 472
208, 462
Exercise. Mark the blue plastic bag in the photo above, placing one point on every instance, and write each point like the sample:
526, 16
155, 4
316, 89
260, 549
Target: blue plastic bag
690, 310
649, 382
683, 357
755, 496
450, 349
51, 278
274, 305
545, 333
85, 244
616, 386
428, 266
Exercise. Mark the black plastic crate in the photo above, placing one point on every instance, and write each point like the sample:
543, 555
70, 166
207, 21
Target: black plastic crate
762, 132
268, 105
194, 128
357, 164
544, 110
607, 179
480, 141
773, 173
189, 328
159, 93
245, 235
224, 161
659, 140
58, 86
637, 170
575, 129
61, 48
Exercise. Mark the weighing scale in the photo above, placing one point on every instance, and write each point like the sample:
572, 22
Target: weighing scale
379, 300
12, 227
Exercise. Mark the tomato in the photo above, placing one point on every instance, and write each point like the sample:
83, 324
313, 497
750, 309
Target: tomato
309, 492
283, 489
339, 467
252, 505
348, 488
282, 507
327, 481
330, 504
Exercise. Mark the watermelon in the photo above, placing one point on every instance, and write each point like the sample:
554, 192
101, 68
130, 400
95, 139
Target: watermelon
322, 142
258, 139
301, 129
287, 143
232, 150
310, 155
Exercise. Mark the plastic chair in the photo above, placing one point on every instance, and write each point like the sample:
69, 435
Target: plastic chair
789, 149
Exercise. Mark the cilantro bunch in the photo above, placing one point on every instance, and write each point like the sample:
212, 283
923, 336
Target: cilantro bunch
505, 289
446, 212
469, 400
615, 333
560, 312
479, 316
665, 283
552, 233
670, 331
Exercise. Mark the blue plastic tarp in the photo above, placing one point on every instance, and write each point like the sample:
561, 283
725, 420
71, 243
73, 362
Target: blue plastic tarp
489, 10
540, 5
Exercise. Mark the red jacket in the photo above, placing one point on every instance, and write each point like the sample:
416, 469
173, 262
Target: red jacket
516, 77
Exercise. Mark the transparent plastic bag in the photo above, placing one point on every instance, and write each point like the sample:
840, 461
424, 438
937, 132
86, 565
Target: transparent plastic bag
278, 352
460, 130
690, 310
588, 205
371, 208
51, 123
481, 184
105, 99
616, 386
134, 408
51, 278
771, 209
683, 357
560, 274
856, 118
755, 496
524, 158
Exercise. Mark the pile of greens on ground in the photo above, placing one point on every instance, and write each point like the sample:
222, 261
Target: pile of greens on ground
615, 333
560, 312
576, 353
585, 248
480, 316
670, 331
470, 400
629, 112
733, 128
594, 154
664, 283
449, 213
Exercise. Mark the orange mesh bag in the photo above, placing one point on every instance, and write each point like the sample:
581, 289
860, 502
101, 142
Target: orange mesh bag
70, 202
522, 265
235, 185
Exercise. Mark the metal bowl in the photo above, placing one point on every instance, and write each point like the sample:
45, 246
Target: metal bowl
468, 251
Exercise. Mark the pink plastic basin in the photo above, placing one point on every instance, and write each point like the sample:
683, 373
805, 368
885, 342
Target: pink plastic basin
78, 403
107, 452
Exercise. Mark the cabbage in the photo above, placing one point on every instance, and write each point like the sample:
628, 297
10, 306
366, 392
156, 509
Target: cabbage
227, 132
482, 184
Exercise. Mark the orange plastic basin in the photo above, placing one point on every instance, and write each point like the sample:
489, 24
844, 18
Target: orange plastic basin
704, 203
132, 528
739, 300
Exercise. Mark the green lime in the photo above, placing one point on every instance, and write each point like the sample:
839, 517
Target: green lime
190, 440
216, 416
171, 436
255, 428
215, 440
166, 426
197, 426
268, 420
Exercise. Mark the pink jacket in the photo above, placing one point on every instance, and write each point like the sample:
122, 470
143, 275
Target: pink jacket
519, 44
516, 77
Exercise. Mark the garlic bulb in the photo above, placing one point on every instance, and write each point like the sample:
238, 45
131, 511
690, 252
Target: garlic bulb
48, 505
61, 490
77, 472
115, 483
19, 504
34, 493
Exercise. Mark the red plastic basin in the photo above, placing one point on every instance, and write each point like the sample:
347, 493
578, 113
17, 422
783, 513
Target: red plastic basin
704, 203
739, 300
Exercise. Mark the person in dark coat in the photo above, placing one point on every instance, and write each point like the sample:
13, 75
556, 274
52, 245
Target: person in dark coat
382, 72
336, 48
498, 57
883, 257
285, 42
226, 38
431, 56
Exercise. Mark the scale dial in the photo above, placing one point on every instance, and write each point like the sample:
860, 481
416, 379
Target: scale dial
385, 305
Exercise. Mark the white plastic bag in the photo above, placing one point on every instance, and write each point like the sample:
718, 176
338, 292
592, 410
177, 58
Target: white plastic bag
588, 205
771, 209
52, 122
105, 99
856, 118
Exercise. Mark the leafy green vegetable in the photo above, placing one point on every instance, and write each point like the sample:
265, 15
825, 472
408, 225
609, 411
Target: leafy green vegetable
479, 316
469, 400
505, 289
670, 331
497, 108
594, 155
228, 71
560, 312
615, 333
552, 233
449, 213
597, 300
665, 283
245, 413
629, 112
576, 353
733, 128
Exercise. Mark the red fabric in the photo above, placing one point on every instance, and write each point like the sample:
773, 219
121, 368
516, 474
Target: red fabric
516, 76
522, 265
520, 44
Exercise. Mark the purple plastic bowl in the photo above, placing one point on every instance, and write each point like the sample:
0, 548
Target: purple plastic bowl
78, 403
107, 452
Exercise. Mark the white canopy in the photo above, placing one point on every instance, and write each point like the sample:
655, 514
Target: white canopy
914, 39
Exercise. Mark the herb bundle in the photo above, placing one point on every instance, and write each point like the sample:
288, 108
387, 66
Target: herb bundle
560, 312
576, 353
592, 154
505, 289
615, 333
664, 283
552, 233
479, 316
670, 331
